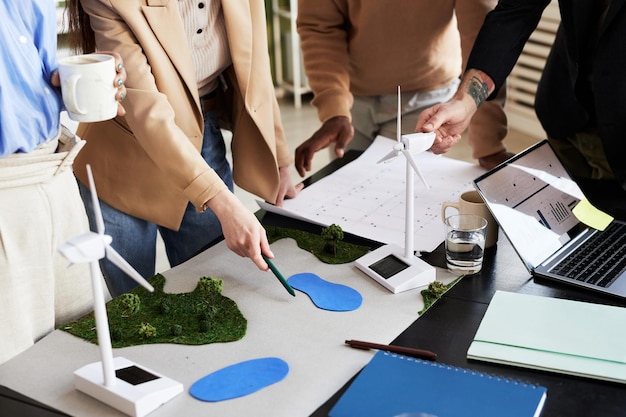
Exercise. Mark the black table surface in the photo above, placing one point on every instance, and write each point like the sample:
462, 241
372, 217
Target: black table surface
449, 325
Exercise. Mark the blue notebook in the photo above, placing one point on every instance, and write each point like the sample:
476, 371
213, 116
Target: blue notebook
393, 385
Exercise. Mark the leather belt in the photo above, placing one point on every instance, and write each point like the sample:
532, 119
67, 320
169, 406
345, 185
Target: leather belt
209, 101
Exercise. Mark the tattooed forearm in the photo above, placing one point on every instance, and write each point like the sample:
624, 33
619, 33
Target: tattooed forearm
477, 89
478, 85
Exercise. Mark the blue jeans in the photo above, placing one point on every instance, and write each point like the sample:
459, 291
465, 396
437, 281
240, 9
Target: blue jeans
135, 239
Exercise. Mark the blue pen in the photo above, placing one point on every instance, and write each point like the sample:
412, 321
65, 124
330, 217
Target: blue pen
279, 276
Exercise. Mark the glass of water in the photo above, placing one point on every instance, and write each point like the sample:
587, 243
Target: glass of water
465, 243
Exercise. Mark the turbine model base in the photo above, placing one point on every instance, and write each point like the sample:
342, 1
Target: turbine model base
137, 391
389, 267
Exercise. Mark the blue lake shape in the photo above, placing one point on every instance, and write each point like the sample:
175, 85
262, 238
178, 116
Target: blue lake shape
239, 379
326, 295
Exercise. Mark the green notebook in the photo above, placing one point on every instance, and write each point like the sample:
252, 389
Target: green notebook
553, 334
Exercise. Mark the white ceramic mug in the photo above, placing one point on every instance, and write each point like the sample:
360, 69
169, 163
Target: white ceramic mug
87, 87
471, 202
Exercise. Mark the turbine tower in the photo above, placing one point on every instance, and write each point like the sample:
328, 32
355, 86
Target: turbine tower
118, 382
396, 269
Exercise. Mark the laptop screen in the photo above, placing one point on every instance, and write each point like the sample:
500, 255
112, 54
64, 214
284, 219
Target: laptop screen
531, 197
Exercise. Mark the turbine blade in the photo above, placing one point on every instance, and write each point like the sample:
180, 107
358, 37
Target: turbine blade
95, 202
411, 160
391, 155
121, 263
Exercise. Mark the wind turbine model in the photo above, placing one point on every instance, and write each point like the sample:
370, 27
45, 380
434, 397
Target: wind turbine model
117, 382
391, 267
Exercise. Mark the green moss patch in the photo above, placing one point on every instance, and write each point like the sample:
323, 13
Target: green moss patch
434, 291
317, 245
140, 317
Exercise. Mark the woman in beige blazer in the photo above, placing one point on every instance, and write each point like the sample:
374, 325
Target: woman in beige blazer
148, 166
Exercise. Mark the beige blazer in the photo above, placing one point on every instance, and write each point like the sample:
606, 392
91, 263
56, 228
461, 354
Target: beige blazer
148, 163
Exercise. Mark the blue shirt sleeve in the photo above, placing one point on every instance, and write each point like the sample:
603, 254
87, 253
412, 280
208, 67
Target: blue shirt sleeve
29, 106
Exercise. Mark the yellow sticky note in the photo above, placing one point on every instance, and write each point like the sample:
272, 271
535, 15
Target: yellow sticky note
591, 216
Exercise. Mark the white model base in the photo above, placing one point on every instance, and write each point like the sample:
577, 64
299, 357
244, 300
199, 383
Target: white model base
135, 399
389, 267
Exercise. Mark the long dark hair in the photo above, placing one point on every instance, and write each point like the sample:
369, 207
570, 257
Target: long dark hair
80, 35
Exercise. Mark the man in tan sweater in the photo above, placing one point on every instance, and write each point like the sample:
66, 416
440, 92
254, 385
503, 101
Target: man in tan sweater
356, 54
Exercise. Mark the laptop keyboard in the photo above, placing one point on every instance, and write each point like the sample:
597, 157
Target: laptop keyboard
600, 260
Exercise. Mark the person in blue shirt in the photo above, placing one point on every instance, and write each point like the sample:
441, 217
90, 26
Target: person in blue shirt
40, 206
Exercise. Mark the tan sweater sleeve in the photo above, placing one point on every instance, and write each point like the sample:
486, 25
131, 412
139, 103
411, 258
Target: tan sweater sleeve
324, 45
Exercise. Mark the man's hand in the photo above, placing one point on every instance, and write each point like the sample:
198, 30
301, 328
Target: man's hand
337, 129
450, 119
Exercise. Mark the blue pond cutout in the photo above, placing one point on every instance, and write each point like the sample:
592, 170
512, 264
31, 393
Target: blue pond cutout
326, 295
239, 379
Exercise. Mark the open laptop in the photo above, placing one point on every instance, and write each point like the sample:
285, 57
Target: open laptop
532, 196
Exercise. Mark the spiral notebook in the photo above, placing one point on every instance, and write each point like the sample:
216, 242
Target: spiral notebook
392, 385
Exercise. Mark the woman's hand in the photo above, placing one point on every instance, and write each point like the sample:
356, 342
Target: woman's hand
287, 189
242, 231
120, 79
118, 82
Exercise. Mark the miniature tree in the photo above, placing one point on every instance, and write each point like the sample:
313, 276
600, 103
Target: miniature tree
177, 330
165, 306
205, 326
131, 303
147, 330
117, 334
332, 234
210, 285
